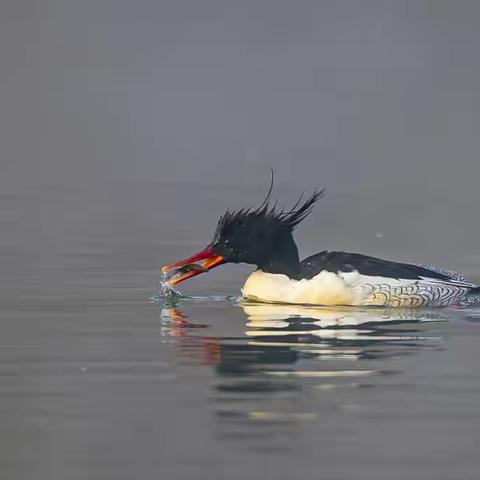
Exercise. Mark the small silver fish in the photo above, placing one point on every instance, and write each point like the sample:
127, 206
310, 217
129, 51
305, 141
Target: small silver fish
191, 267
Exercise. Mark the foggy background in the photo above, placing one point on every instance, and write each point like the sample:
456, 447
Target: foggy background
142, 121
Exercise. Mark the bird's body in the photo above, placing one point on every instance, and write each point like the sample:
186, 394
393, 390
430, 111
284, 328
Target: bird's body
264, 237
340, 278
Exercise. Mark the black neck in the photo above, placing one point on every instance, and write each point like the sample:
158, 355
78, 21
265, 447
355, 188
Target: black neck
282, 258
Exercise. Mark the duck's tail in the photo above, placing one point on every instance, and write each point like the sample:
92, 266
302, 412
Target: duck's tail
473, 296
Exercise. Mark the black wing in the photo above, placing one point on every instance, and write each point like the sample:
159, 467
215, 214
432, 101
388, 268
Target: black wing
365, 265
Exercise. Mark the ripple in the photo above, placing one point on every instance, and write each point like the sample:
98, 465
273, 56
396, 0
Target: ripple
265, 358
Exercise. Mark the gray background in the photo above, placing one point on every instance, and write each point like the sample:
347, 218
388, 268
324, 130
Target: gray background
377, 100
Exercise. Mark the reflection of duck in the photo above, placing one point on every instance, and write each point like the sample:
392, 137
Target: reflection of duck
334, 316
339, 332
294, 364
284, 334
264, 237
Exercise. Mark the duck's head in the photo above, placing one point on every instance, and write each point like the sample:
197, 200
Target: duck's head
260, 236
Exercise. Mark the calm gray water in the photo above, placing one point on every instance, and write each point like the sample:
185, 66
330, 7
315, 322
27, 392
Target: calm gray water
98, 382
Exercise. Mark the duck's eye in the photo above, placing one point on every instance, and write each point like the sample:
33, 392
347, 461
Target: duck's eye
228, 245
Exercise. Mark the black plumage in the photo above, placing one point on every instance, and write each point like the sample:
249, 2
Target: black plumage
336, 262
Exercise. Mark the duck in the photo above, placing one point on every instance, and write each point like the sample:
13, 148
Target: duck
263, 237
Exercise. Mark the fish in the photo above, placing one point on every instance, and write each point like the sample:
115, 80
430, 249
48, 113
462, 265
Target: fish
177, 272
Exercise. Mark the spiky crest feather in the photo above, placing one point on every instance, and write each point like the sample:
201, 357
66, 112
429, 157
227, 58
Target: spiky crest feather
271, 213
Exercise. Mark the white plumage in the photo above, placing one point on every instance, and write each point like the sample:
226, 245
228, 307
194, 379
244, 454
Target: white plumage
353, 288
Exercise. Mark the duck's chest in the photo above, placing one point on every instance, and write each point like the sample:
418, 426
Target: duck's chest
326, 288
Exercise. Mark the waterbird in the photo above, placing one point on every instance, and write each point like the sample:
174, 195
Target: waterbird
263, 236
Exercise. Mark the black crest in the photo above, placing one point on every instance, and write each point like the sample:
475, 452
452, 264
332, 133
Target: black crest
269, 213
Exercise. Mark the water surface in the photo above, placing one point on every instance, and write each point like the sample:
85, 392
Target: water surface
98, 381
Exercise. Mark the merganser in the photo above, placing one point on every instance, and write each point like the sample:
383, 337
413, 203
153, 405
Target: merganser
263, 236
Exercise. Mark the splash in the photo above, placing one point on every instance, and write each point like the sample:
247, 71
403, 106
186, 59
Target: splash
168, 296
166, 292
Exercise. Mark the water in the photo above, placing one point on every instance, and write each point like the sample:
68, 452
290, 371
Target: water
102, 377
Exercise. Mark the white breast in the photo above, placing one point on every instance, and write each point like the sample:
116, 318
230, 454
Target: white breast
326, 288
